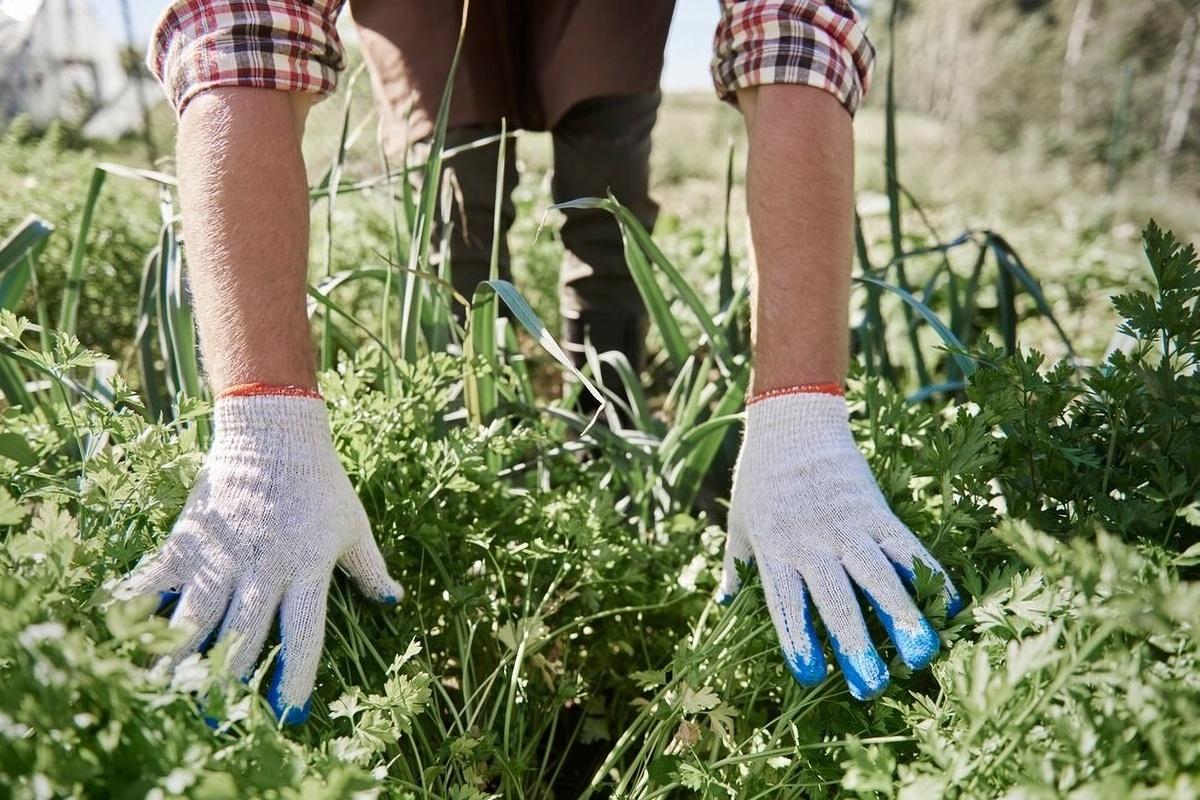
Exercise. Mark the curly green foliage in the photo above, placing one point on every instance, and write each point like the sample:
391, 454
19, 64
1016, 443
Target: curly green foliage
547, 648
1121, 447
1076, 679
529, 600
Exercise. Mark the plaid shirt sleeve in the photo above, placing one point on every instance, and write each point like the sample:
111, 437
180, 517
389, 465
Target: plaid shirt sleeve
809, 42
289, 45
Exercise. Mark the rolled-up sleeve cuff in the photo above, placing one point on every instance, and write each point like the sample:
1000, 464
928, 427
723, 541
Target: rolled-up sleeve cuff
288, 45
807, 42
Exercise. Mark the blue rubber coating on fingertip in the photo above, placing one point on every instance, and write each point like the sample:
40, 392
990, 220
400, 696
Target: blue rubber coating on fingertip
812, 670
725, 599
207, 644
288, 714
212, 722
807, 672
954, 604
391, 600
865, 673
293, 715
906, 574
165, 599
917, 648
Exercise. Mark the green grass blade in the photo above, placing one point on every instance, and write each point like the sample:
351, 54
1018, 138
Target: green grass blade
498, 203
14, 446
964, 330
525, 316
418, 256
480, 387
1006, 300
155, 391
680, 386
32, 232
12, 383
518, 365
657, 305
730, 319
182, 325
615, 403
701, 431
926, 392
1010, 262
701, 444
385, 303
681, 284
656, 302
725, 283
480, 344
874, 337
691, 408
406, 169
320, 297
18, 258
161, 179
957, 351
892, 187
635, 395
165, 346
177, 325
331, 181
67, 316
39, 300
941, 248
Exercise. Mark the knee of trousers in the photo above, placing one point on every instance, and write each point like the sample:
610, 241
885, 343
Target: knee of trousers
602, 147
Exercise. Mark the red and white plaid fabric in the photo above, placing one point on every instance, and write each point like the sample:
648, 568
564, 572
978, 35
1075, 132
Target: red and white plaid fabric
289, 45
810, 42
292, 45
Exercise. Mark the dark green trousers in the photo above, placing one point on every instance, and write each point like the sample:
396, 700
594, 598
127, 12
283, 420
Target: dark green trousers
601, 145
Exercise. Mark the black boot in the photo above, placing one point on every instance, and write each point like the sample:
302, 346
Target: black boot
606, 330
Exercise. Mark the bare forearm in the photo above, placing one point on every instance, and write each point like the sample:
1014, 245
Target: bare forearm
800, 190
245, 217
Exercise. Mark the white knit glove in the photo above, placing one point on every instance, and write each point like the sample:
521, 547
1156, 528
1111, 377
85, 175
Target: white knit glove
270, 515
808, 511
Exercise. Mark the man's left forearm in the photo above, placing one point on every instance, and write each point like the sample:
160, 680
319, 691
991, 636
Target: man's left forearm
805, 505
800, 197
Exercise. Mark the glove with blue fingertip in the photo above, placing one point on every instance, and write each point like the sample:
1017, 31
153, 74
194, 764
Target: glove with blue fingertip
807, 510
272, 513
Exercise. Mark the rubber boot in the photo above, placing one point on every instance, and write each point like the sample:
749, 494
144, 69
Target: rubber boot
606, 330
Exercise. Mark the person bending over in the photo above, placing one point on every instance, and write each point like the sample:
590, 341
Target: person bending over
273, 513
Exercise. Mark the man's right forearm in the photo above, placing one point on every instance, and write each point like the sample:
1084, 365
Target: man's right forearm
245, 217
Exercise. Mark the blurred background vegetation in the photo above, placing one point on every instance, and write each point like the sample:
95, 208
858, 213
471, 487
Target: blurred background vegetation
1064, 124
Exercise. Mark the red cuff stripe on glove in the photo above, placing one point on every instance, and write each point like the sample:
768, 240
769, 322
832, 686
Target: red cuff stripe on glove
267, 390
801, 388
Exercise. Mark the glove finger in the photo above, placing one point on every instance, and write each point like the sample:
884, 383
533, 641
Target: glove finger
158, 575
915, 639
364, 563
737, 549
834, 597
787, 601
201, 606
904, 550
248, 621
301, 635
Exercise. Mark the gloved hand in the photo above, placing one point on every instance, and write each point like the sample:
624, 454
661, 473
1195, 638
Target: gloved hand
270, 515
807, 509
